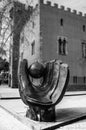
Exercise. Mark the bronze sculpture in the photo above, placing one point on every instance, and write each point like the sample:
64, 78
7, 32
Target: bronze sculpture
42, 86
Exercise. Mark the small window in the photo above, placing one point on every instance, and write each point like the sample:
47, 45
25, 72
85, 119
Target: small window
33, 47
75, 79
83, 28
62, 46
83, 50
61, 22
84, 79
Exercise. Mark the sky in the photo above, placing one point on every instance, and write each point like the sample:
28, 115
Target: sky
79, 5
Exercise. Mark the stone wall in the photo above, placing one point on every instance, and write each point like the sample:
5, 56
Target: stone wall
44, 28
72, 30
31, 35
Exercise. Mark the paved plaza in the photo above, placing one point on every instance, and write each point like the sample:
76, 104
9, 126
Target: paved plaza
72, 105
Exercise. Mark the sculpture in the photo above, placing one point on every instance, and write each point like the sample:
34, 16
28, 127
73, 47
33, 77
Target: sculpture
41, 87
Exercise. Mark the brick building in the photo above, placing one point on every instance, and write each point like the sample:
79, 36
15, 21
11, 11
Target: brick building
57, 33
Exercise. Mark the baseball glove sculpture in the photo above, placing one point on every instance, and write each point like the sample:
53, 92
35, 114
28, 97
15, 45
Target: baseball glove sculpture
42, 86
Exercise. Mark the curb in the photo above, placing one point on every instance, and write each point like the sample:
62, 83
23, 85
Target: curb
9, 98
75, 93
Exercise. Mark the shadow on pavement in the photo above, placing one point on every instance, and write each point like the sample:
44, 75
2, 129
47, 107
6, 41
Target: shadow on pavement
69, 113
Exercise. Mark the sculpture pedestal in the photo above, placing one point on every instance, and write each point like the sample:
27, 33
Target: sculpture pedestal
37, 114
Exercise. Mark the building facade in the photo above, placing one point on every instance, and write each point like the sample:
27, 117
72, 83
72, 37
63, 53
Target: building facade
57, 33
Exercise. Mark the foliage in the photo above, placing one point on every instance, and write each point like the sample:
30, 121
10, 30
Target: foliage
4, 65
5, 24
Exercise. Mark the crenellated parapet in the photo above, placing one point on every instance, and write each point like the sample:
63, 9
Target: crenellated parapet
62, 7
49, 3
68, 10
80, 13
74, 12
85, 15
56, 6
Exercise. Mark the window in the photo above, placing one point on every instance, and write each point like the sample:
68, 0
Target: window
62, 45
61, 22
84, 79
83, 49
33, 47
75, 79
83, 28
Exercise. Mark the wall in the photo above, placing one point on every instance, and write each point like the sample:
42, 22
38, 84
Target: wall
72, 29
30, 34
44, 28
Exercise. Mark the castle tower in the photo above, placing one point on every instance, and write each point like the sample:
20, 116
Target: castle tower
53, 32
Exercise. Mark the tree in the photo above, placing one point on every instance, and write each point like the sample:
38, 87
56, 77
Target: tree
5, 27
14, 15
4, 65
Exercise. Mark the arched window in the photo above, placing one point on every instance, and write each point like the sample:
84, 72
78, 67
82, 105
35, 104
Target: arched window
62, 46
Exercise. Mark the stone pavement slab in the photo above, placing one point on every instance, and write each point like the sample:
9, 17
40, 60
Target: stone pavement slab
15, 106
69, 108
72, 105
6, 93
